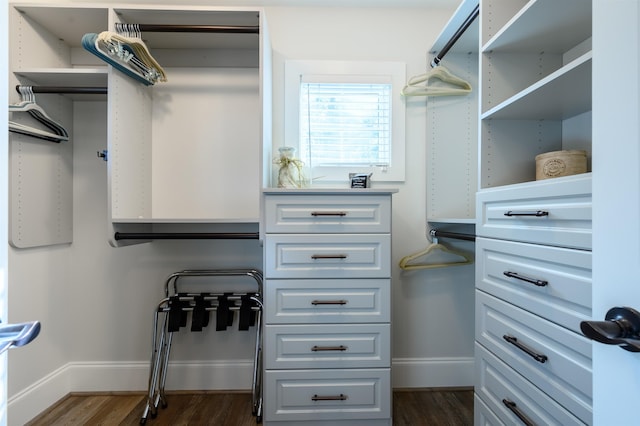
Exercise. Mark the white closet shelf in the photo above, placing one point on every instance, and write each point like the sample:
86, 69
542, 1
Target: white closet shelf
65, 76
188, 221
562, 94
468, 42
540, 26
460, 221
67, 23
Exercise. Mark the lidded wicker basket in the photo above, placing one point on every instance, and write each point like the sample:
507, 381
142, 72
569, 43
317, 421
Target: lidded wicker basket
560, 163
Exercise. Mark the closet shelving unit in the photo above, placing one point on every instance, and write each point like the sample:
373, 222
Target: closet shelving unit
453, 127
536, 85
184, 156
45, 50
452, 133
533, 245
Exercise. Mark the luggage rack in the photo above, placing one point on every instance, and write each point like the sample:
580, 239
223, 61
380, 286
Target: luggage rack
172, 314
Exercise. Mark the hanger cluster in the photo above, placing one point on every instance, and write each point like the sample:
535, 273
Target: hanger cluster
55, 133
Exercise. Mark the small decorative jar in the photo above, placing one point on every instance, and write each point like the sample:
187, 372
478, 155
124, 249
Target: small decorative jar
291, 170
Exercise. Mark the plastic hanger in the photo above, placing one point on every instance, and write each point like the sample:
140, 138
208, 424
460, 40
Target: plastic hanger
28, 104
407, 265
419, 85
122, 57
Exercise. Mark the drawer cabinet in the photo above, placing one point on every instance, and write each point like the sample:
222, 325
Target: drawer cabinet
556, 212
327, 340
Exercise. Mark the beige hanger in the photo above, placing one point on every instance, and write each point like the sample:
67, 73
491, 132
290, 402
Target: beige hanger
405, 264
415, 86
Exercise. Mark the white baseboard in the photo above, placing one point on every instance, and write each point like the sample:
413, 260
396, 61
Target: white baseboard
219, 375
124, 377
432, 372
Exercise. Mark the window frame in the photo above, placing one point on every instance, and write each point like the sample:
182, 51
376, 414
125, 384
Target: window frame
351, 72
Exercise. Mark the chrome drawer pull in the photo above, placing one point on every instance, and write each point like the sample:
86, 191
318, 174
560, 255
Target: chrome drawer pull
328, 214
536, 213
340, 397
539, 283
328, 302
514, 341
328, 256
515, 410
341, 348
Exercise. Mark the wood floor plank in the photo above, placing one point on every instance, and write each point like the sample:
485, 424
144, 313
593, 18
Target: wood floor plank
410, 408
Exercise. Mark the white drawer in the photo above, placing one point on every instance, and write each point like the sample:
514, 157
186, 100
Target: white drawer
498, 385
553, 358
327, 213
563, 206
328, 256
327, 301
563, 293
482, 415
322, 346
297, 395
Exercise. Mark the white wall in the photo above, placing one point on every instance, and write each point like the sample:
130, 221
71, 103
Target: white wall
96, 302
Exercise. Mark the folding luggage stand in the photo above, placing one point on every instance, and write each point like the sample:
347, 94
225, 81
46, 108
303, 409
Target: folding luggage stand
174, 309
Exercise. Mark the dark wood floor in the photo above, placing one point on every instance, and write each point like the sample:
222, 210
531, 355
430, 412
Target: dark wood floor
410, 408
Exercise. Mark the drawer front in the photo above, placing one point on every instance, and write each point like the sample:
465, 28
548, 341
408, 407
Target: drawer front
553, 358
327, 301
328, 256
555, 212
482, 415
327, 214
498, 384
552, 282
322, 346
299, 395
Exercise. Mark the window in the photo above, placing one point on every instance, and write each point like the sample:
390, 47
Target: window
346, 117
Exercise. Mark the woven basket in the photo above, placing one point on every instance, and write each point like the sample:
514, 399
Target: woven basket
560, 163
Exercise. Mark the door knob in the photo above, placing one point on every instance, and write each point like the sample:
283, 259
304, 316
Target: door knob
621, 327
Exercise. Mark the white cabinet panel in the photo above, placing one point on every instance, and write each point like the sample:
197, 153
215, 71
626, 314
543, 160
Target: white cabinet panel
327, 214
500, 386
343, 394
327, 256
553, 358
319, 346
328, 301
553, 212
550, 281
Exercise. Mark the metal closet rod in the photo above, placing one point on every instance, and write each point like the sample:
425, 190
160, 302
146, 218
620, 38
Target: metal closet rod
186, 236
67, 89
454, 38
454, 235
164, 28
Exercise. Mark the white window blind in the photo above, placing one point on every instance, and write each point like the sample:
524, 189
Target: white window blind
345, 124
346, 117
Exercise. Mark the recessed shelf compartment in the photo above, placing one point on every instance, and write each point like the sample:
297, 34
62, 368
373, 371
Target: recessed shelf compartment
541, 26
67, 24
562, 94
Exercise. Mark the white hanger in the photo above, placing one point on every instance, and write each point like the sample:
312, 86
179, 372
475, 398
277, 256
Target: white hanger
405, 262
419, 85
28, 104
